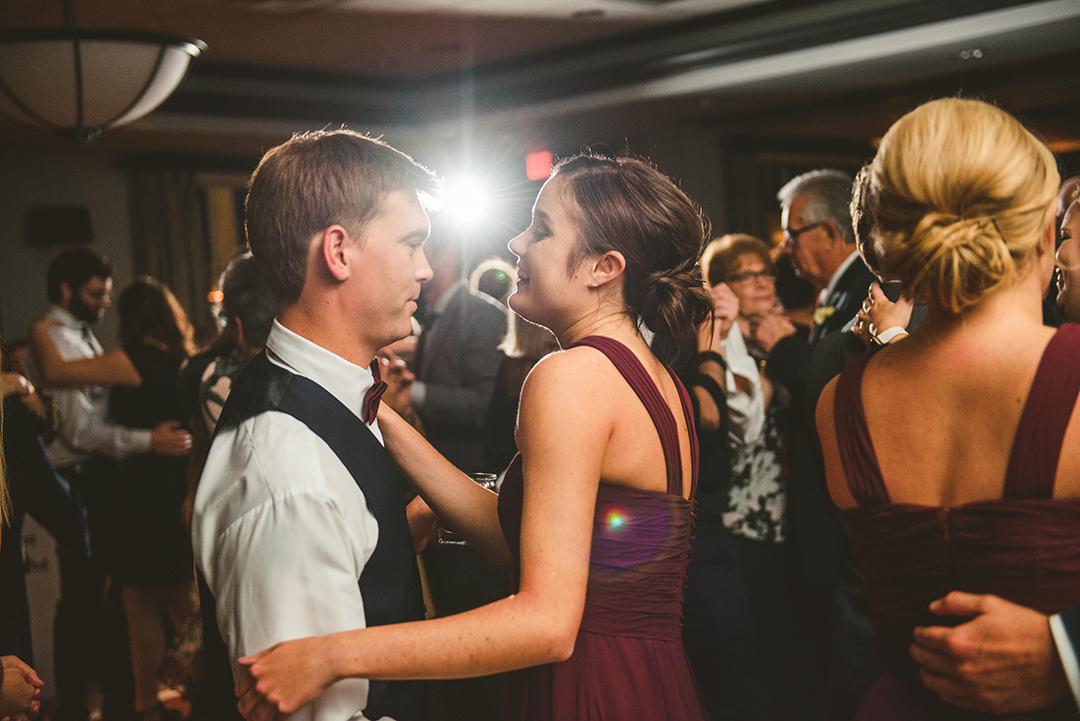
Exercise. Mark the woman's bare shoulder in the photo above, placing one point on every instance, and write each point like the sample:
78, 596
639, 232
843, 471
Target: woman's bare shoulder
570, 364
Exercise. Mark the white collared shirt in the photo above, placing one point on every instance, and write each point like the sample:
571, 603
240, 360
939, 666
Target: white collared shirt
84, 431
281, 531
823, 296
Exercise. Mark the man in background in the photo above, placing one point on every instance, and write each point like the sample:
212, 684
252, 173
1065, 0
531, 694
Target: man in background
85, 454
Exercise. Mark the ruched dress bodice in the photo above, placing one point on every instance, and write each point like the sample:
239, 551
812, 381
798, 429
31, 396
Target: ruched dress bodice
628, 661
1024, 547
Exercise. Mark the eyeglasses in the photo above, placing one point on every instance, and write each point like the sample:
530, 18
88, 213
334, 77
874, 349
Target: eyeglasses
766, 275
792, 234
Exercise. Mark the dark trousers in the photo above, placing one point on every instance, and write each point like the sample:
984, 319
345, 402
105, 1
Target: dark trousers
90, 638
739, 627
460, 580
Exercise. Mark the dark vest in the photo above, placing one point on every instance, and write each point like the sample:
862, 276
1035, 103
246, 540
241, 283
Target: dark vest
390, 581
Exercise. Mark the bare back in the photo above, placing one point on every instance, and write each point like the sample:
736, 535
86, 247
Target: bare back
942, 415
633, 454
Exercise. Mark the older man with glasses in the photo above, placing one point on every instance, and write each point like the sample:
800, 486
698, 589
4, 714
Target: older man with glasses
838, 653
819, 238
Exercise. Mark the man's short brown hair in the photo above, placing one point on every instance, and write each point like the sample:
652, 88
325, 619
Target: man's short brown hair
311, 182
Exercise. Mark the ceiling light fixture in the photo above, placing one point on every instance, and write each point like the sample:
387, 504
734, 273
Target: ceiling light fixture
81, 81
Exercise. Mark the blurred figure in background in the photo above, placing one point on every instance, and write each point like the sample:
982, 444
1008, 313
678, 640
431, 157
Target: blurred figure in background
151, 560
525, 344
456, 362
796, 295
1054, 313
1068, 259
457, 356
85, 454
757, 499
245, 313
30, 421
154, 563
495, 277
739, 617
21, 456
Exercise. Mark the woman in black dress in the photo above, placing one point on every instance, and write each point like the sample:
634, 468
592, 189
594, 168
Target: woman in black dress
154, 564
151, 552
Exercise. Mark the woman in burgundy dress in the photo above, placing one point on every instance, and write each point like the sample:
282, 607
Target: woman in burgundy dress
597, 508
954, 451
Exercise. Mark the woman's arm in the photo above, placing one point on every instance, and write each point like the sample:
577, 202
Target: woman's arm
461, 504
565, 424
111, 369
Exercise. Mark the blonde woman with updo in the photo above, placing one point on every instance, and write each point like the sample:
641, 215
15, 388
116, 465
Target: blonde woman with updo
955, 453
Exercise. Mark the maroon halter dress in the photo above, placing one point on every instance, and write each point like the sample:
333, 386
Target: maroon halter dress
1024, 547
628, 662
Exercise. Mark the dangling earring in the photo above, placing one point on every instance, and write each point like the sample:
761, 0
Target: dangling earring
595, 283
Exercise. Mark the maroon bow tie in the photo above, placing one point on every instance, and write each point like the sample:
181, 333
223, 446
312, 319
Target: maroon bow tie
373, 395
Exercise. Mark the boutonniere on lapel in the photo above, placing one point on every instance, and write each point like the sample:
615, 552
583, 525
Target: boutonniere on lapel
823, 313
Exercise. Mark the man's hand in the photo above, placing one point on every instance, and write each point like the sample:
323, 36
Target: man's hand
1002, 661
169, 439
768, 330
13, 383
20, 696
17, 384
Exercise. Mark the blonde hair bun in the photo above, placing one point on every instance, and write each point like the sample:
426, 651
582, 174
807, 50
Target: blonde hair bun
955, 201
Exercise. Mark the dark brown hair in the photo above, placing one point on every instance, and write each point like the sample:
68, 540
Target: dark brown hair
75, 266
148, 309
311, 182
627, 205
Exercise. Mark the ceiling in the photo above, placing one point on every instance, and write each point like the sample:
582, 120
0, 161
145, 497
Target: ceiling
839, 69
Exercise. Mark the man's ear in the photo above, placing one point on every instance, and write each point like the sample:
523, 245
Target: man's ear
608, 267
334, 241
66, 293
836, 237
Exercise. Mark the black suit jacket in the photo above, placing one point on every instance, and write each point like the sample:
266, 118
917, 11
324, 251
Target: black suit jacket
458, 364
815, 528
845, 299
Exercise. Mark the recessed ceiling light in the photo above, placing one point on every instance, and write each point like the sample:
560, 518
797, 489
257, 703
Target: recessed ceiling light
971, 54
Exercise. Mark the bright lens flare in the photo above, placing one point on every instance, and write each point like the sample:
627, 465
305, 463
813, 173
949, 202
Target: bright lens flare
465, 199
616, 519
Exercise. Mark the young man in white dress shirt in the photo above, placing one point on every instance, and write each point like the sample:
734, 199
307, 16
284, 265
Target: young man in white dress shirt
282, 530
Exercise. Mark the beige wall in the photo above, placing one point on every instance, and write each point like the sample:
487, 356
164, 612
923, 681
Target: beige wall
31, 178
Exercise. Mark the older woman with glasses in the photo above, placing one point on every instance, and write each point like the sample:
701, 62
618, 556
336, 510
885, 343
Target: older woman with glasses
739, 614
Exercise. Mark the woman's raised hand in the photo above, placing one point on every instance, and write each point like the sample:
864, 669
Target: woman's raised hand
878, 314
284, 678
725, 308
